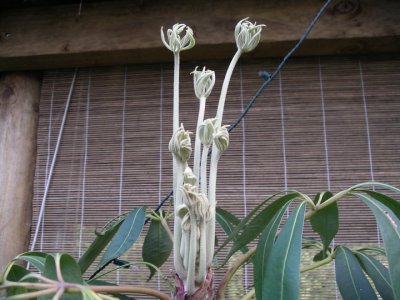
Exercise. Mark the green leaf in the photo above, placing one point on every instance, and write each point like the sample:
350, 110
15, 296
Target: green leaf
37, 259
101, 241
157, 246
228, 221
326, 221
15, 273
389, 226
263, 251
378, 273
70, 272
127, 234
351, 281
246, 220
252, 229
282, 273
393, 204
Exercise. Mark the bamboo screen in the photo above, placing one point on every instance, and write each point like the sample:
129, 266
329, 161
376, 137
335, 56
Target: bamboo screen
324, 124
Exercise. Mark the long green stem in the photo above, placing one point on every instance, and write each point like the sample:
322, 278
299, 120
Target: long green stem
250, 295
225, 85
33, 295
191, 273
178, 262
317, 264
203, 176
328, 202
197, 145
231, 272
203, 253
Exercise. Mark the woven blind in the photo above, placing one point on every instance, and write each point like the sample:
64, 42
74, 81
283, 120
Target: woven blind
323, 124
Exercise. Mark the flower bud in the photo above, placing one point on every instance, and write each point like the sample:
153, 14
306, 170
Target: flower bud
175, 42
206, 131
247, 35
180, 145
203, 82
221, 138
189, 177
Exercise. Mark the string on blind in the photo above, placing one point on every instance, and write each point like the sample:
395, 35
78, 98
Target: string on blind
113, 156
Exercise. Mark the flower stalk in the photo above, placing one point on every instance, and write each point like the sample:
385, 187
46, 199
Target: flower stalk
194, 200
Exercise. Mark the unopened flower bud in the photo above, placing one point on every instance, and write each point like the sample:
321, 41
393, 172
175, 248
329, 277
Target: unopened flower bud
175, 42
203, 82
180, 145
206, 131
189, 177
221, 138
247, 35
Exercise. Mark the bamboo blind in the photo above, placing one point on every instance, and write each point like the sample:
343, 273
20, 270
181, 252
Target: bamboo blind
324, 124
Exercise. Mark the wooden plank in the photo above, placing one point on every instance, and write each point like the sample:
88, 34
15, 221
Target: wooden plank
19, 101
119, 32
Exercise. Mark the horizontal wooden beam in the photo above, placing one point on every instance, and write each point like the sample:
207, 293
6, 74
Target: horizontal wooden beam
119, 32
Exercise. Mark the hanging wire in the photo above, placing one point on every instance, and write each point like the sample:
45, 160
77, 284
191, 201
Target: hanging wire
268, 79
53, 162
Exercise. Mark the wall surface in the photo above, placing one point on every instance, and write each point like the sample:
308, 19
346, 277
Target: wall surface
325, 124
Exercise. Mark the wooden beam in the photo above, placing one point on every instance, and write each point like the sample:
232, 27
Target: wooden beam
19, 107
119, 32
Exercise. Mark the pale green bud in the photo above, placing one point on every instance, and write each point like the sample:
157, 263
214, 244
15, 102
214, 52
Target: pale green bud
180, 145
207, 131
175, 42
247, 35
203, 82
221, 138
197, 203
189, 177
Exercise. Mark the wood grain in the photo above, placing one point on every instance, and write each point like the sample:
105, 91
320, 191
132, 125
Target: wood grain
119, 32
19, 101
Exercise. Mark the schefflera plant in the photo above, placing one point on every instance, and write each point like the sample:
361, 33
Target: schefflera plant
195, 191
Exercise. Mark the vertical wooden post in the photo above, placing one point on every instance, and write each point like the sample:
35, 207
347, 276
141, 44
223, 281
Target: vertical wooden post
19, 107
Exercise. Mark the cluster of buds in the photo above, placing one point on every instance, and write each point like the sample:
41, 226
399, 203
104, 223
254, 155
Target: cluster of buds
194, 198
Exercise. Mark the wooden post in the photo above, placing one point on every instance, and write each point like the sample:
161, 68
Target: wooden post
19, 103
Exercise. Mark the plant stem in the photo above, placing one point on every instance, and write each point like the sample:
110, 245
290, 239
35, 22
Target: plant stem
317, 264
178, 263
33, 295
197, 145
231, 272
203, 253
203, 176
191, 270
328, 202
225, 85
250, 295
129, 289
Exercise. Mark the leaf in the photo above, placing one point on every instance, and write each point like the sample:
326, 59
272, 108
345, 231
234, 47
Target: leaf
378, 273
391, 203
326, 221
69, 269
264, 247
37, 259
389, 226
157, 246
100, 242
257, 224
127, 234
351, 281
245, 221
15, 273
228, 221
282, 273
